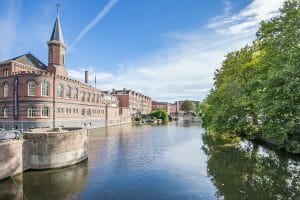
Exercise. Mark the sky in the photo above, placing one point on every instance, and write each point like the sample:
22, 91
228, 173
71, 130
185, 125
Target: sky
165, 49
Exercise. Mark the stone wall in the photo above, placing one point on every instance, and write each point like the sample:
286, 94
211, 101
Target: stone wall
11, 158
43, 150
54, 149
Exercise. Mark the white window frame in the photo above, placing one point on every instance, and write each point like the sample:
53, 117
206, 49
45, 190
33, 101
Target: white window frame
75, 94
31, 88
68, 92
5, 112
5, 90
45, 89
31, 112
43, 112
60, 90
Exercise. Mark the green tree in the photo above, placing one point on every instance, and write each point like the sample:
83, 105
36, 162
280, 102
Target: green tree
159, 114
188, 106
257, 90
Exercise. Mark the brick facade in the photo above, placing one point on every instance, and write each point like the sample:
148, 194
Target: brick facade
135, 101
46, 97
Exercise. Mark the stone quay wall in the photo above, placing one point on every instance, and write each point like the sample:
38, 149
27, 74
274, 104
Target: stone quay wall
43, 150
11, 155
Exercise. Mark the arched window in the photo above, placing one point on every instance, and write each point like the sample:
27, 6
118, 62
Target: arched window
82, 96
31, 88
45, 111
31, 112
68, 92
89, 112
5, 112
60, 89
93, 98
5, 90
82, 111
98, 98
45, 89
88, 97
75, 95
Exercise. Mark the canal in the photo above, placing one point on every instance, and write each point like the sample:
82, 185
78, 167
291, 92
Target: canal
174, 161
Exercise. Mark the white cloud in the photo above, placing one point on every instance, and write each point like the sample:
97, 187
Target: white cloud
185, 70
247, 19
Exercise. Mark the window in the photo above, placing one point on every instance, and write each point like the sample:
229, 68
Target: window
89, 112
60, 90
31, 88
5, 72
93, 98
31, 112
45, 111
75, 93
68, 92
83, 112
5, 91
5, 112
58, 110
82, 96
88, 97
45, 89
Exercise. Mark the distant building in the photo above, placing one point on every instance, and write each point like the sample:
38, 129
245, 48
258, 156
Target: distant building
33, 94
162, 105
135, 101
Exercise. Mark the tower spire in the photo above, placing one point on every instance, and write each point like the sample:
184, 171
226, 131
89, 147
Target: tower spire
57, 32
57, 49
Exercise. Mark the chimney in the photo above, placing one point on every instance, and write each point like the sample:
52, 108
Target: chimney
86, 77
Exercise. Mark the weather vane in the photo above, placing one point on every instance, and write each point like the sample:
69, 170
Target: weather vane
57, 7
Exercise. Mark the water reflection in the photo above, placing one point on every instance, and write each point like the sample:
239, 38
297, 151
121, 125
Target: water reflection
64, 183
250, 171
163, 162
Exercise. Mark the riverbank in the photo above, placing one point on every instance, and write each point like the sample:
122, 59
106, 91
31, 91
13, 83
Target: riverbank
233, 138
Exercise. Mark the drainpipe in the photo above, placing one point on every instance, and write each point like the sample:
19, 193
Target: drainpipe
54, 109
106, 115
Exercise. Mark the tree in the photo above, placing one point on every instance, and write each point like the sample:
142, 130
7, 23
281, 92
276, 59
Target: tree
188, 106
159, 114
257, 90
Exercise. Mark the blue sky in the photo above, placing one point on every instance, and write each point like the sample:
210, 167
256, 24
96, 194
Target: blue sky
167, 49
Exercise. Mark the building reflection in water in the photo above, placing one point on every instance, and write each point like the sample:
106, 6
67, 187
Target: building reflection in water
250, 171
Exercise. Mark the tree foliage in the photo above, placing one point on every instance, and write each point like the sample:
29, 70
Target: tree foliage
159, 114
257, 90
188, 106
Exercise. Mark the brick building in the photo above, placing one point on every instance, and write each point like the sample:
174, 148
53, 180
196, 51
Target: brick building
135, 101
33, 94
161, 105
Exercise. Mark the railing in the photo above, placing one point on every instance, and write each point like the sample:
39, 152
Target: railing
10, 134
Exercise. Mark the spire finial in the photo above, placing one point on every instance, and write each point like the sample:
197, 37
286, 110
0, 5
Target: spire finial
57, 8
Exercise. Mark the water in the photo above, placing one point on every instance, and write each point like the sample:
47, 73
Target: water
172, 161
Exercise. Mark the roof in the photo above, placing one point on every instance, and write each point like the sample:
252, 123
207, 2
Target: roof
28, 59
57, 33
